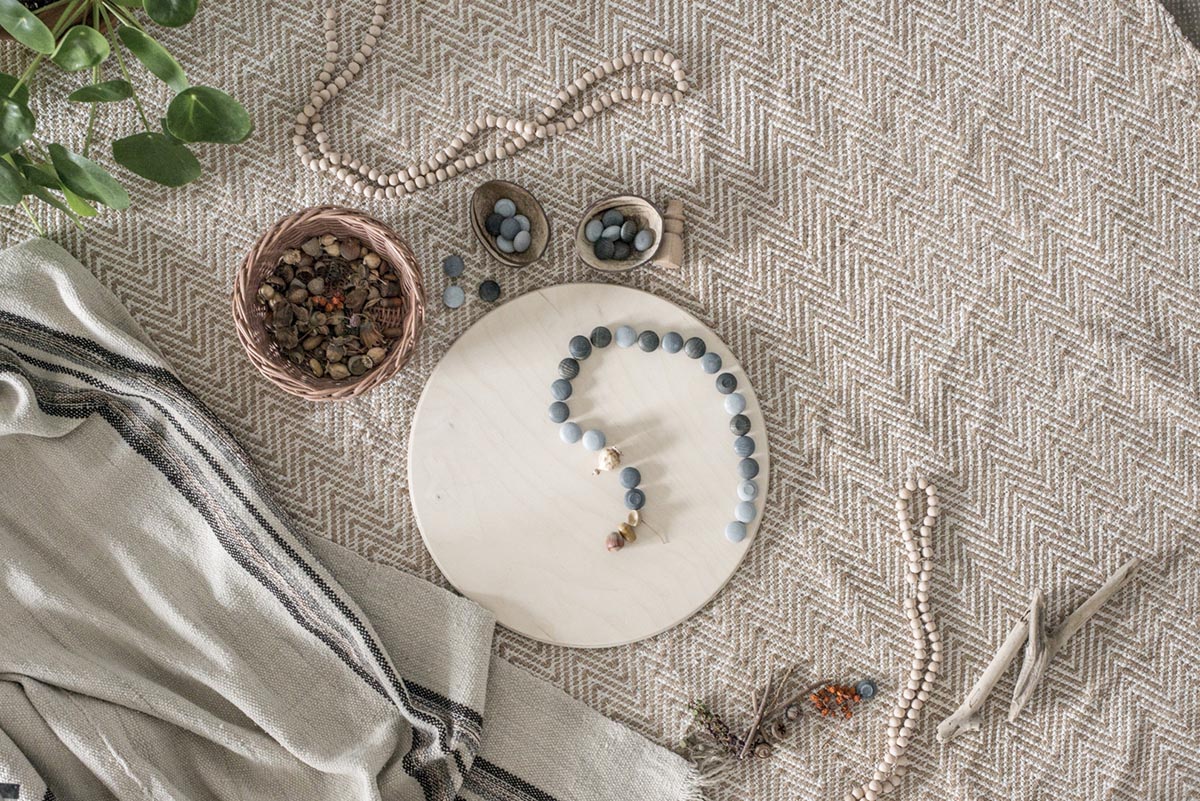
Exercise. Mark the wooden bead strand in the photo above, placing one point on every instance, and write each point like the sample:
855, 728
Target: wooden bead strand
927, 641
450, 161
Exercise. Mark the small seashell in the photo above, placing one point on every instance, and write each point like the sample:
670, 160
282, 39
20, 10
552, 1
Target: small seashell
634, 517
778, 730
609, 459
614, 541
350, 249
763, 750
792, 712
627, 532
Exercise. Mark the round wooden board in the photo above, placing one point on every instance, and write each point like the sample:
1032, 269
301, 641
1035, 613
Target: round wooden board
514, 517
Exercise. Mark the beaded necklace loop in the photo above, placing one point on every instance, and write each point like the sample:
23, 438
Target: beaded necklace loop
448, 162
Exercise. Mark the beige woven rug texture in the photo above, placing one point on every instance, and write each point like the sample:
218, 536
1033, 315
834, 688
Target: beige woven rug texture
962, 238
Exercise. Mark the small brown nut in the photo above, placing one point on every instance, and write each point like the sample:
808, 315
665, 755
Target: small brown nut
627, 532
792, 712
762, 750
614, 541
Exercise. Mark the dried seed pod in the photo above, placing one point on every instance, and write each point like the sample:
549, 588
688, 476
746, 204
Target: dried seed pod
792, 712
338, 371
763, 750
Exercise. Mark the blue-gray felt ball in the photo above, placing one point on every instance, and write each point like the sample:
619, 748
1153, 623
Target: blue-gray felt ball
601, 337
866, 689
505, 207
559, 412
630, 477
580, 347
747, 468
710, 363
635, 499
592, 231
561, 389
626, 336
612, 233
648, 341
744, 512
735, 403
739, 424
612, 217
644, 240
492, 223
629, 230
454, 296
735, 531
694, 347
743, 446
570, 433
568, 368
522, 241
489, 290
748, 490
593, 440
726, 383
453, 265
672, 342
620, 251
510, 228
603, 249
522, 221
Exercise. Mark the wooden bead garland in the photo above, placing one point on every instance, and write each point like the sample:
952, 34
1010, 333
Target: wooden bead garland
927, 642
450, 161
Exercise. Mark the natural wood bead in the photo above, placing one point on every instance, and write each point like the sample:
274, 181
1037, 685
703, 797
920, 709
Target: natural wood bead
410, 186
420, 181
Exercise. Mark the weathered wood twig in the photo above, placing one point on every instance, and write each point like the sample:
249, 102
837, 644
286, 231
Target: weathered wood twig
966, 717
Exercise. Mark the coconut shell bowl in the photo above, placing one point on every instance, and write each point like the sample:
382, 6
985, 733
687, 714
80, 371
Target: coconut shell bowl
483, 202
400, 316
667, 229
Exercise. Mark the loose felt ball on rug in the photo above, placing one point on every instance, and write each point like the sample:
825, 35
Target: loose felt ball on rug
603, 249
626, 336
570, 433
510, 228
726, 383
629, 231
672, 342
453, 265
635, 499
735, 403
505, 207
866, 689
492, 223
592, 231
612, 217
559, 412
522, 221
747, 468
710, 363
744, 512
620, 251
644, 240
505, 245
739, 424
630, 477
522, 241
648, 341
612, 233
735, 531
489, 290
694, 348
593, 440
453, 296
748, 490
580, 347
560, 389
601, 337
568, 368
743, 446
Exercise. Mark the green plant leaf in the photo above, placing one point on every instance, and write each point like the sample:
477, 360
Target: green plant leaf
16, 124
40, 174
12, 184
81, 48
78, 204
153, 56
158, 158
204, 114
26, 28
44, 196
103, 92
7, 82
129, 3
171, 13
87, 179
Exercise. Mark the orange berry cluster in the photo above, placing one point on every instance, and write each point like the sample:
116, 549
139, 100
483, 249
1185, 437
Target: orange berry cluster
835, 699
332, 303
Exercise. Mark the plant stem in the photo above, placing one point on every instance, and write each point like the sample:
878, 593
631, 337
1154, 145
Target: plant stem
68, 17
116, 48
124, 16
26, 75
36, 225
87, 139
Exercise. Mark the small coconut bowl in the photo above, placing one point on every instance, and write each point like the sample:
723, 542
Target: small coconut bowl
482, 203
635, 208
289, 232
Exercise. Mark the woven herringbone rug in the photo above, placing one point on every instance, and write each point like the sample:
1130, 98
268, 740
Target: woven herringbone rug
960, 236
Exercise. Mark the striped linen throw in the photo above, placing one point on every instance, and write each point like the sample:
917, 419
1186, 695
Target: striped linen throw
165, 633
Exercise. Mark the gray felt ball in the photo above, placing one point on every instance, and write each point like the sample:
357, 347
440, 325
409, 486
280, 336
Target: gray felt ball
743, 446
748, 490
644, 240
648, 341
522, 221
505, 207
454, 296
453, 265
568, 368
592, 231
510, 228
612, 217
735, 531
629, 230
492, 223
635, 499
726, 383
560, 389
626, 336
620, 251
593, 440
522, 241
489, 290
601, 337
735, 403
603, 249
612, 233
694, 348
672, 342
744, 511
570, 433
559, 412
580, 347
630, 477
739, 424
710, 362
747, 468
504, 245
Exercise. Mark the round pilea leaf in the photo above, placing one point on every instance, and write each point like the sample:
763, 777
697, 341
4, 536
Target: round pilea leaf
103, 92
7, 82
81, 48
157, 157
12, 184
153, 56
16, 124
87, 179
170, 13
204, 114
25, 27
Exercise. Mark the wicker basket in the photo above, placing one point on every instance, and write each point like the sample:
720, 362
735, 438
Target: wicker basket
290, 232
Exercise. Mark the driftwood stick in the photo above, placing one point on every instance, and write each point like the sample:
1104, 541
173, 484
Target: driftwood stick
966, 717
1043, 646
760, 707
